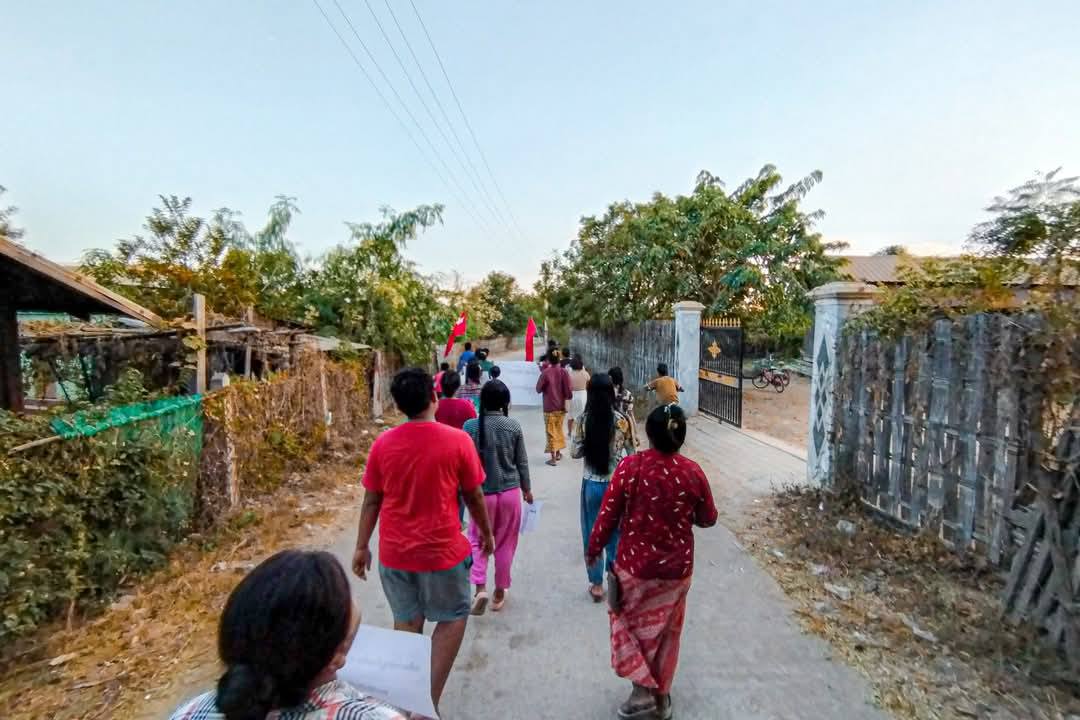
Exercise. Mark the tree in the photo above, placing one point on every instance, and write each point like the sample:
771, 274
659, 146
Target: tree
367, 291
7, 230
1032, 239
501, 292
182, 254
892, 250
751, 253
364, 290
457, 298
1039, 219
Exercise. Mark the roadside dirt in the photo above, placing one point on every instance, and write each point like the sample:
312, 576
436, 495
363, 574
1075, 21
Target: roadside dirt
921, 622
784, 416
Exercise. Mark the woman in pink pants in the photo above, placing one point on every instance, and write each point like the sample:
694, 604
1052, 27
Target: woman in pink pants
501, 445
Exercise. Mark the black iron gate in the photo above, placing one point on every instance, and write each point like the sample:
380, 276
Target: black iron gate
720, 376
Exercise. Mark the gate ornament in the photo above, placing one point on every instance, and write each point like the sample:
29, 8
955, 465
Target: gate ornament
714, 350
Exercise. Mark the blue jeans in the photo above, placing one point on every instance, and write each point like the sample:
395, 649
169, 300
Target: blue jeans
592, 497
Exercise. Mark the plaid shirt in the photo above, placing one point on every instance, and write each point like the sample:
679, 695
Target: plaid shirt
335, 700
623, 443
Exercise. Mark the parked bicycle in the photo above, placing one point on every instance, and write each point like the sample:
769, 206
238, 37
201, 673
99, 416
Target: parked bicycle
779, 378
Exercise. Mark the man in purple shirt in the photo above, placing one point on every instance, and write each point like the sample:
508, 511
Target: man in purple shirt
554, 385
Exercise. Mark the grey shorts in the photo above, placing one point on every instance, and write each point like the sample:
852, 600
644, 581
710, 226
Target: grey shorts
436, 596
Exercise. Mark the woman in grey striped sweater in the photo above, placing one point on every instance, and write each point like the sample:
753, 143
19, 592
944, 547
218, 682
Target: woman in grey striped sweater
501, 444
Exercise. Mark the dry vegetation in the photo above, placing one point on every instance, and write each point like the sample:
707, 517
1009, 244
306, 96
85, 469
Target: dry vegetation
157, 642
924, 624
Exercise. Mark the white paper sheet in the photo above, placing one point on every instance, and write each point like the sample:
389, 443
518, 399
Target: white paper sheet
531, 519
392, 666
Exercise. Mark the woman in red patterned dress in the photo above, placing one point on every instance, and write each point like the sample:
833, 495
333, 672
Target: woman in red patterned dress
655, 499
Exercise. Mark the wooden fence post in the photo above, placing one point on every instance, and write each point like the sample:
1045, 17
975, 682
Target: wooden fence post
249, 318
11, 393
198, 309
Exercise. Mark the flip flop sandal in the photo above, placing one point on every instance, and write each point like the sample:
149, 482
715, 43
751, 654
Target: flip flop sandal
552, 463
637, 712
479, 603
497, 605
597, 597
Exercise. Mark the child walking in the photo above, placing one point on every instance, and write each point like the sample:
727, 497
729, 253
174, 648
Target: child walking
666, 387
501, 445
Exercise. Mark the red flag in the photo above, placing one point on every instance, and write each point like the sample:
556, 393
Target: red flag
530, 333
455, 332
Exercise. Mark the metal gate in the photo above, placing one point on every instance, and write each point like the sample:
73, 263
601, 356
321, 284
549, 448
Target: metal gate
720, 374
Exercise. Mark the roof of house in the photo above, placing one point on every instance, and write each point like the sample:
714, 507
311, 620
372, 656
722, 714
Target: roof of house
31, 282
877, 269
886, 269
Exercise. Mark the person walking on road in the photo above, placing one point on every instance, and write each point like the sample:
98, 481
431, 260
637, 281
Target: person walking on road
471, 389
501, 445
554, 385
467, 356
624, 399
603, 437
453, 411
283, 635
666, 387
654, 500
579, 383
411, 483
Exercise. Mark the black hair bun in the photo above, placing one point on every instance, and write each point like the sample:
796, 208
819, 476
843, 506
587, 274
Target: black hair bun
243, 693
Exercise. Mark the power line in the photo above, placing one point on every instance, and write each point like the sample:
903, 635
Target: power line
465, 117
393, 112
482, 187
464, 199
427, 108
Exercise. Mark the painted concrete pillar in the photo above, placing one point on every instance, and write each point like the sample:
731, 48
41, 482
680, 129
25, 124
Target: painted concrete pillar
688, 352
834, 303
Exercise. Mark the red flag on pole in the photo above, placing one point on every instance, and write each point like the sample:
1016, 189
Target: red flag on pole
530, 333
455, 332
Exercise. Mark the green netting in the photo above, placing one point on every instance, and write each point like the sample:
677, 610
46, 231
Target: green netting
171, 412
178, 419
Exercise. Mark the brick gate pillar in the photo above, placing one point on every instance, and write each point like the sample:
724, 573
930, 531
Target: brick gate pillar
834, 303
688, 352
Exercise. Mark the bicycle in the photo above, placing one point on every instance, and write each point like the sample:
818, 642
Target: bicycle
779, 378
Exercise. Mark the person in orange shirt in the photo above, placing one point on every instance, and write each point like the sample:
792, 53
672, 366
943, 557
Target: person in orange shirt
666, 387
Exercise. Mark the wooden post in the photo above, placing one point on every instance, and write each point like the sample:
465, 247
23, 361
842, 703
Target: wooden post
324, 399
11, 394
249, 318
232, 472
198, 309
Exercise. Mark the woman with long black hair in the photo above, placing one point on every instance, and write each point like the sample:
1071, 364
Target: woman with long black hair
501, 445
283, 635
603, 437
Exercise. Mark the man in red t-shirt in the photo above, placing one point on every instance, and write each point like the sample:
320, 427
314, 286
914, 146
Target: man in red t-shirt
412, 479
453, 411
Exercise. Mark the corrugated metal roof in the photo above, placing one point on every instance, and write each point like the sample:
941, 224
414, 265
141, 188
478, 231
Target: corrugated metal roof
877, 269
885, 269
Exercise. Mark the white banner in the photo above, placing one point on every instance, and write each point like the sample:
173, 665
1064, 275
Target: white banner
521, 377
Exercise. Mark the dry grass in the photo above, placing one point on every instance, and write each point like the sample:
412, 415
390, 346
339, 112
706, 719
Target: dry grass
968, 663
134, 659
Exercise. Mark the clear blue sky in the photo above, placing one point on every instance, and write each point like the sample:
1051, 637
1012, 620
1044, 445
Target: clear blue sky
916, 112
